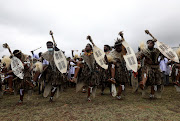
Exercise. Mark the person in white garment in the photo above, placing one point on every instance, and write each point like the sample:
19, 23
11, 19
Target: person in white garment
165, 69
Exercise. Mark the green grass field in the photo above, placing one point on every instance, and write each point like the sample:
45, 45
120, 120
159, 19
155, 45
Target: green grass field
73, 106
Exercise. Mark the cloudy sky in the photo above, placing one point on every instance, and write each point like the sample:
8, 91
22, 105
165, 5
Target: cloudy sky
25, 24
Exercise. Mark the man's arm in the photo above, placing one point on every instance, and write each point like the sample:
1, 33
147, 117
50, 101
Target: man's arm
72, 53
79, 65
140, 56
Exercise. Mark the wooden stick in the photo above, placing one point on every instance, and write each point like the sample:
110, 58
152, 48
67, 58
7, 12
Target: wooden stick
51, 33
5, 45
147, 32
90, 39
36, 49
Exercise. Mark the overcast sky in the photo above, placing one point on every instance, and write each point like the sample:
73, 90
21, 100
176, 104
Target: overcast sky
25, 24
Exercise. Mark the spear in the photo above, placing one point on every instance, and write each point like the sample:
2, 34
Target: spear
36, 49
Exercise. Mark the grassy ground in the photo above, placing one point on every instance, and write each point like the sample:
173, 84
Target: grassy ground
73, 106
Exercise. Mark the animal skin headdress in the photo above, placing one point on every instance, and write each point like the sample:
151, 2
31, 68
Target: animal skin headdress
7, 61
142, 46
16, 52
38, 66
76, 56
118, 42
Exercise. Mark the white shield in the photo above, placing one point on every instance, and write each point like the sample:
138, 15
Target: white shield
17, 67
130, 57
99, 57
167, 51
60, 61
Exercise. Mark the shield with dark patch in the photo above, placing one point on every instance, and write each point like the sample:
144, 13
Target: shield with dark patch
60, 61
130, 57
17, 67
167, 51
99, 57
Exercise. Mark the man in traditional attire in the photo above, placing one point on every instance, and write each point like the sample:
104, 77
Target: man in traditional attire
118, 68
51, 73
105, 74
151, 75
26, 82
89, 71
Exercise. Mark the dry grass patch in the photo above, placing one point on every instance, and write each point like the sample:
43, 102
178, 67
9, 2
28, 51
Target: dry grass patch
73, 106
